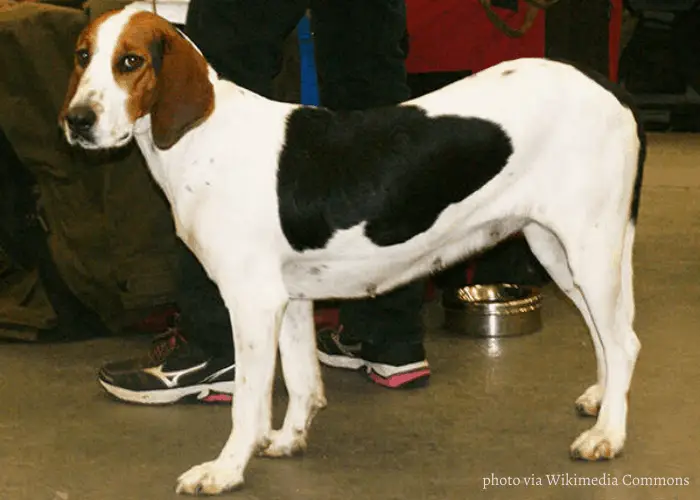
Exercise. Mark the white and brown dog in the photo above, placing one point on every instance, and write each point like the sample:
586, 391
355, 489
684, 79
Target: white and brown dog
284, 204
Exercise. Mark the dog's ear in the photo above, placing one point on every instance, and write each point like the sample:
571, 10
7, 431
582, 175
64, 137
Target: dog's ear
184, 95
156, 49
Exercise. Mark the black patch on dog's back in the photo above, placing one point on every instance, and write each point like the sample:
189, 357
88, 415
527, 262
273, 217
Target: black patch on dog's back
395, 168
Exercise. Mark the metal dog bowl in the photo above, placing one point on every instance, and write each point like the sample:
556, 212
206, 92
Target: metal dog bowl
493, 310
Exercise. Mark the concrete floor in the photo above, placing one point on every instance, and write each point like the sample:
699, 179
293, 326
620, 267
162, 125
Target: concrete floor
493, 409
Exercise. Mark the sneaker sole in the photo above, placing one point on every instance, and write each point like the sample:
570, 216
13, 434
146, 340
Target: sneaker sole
409, 376
218, 392
405, 377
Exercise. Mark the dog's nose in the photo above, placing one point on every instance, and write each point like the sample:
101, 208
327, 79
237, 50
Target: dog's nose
80, 119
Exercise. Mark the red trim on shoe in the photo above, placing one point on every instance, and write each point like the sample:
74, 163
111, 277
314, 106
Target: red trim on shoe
400, 379
217, 397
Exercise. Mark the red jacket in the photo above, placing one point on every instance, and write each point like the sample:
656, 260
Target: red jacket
456, 35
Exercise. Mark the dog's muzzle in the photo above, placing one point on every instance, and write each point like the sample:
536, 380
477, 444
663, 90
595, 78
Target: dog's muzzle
80, 121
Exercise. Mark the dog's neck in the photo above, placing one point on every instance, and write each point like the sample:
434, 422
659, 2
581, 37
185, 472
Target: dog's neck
168, 165
154, 157
236, 109
169, 170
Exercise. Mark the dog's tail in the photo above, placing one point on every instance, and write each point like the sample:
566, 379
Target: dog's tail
641, 158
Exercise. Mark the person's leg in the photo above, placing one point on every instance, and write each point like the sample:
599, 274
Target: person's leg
361, 50
203, 318
242, 40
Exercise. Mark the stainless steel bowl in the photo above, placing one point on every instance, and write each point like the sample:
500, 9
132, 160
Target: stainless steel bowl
493, 310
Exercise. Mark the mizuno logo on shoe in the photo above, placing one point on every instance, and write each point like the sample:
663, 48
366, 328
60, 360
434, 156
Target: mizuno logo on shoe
170, 379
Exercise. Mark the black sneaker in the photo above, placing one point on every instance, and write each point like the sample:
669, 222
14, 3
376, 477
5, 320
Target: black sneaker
174, 370
399, 365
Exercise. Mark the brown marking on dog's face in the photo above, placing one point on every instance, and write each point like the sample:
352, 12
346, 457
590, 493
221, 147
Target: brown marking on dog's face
136, 62
84, 48
164, 75
508, 72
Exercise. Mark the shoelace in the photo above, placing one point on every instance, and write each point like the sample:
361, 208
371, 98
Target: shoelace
348, 349
165, 343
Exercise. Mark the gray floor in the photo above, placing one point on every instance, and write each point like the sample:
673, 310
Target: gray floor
493, 410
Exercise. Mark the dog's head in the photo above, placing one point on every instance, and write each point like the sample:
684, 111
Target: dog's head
129, 64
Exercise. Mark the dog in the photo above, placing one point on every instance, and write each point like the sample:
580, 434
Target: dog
284, 204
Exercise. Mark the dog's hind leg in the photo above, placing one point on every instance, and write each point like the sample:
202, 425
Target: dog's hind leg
551, 254
302, 375
256, 301
600, 261
604, 274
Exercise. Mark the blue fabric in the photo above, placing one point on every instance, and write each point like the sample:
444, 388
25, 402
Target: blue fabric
309, 81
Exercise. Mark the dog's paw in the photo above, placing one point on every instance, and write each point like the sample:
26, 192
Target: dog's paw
209, 478
284, 444
588, 404
597, 444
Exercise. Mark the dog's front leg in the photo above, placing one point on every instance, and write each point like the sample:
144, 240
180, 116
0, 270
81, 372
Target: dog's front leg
302, 374
256, 314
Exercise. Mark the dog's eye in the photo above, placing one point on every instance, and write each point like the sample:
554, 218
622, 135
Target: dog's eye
129, 62
82, 56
